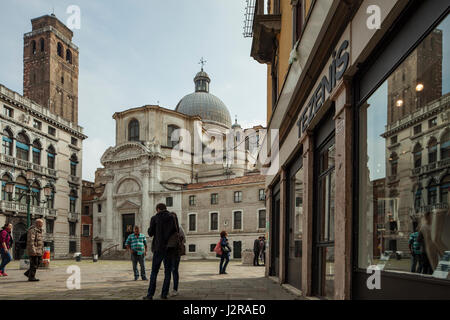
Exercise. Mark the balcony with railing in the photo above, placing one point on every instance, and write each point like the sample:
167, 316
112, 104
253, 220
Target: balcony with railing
74, 179
439, 165
73, 216
10, 206
22, 164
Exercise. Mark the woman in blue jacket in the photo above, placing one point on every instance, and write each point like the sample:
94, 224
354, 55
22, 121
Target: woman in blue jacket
225, 252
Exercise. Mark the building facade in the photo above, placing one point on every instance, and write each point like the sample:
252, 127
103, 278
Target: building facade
359, 94
42, 146
159, 153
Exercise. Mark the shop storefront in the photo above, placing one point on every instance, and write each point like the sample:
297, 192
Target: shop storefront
365, 163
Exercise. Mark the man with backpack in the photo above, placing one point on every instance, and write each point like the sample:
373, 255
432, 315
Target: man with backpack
35, 248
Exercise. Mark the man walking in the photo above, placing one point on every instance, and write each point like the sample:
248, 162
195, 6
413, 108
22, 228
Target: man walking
162, 226
256, 251
35, 248
137, 245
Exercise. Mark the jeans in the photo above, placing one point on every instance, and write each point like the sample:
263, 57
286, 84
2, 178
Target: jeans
176, 276
6, 258
416, 260
35, 261
141, 259
256, 259
158, 258
224, 258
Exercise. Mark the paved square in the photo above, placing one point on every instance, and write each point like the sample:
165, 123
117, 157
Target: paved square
199, 280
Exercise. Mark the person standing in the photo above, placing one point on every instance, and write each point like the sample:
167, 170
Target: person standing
262, 249
256, 251
225, 257
162, 226
137, 245
5, 246
177, 258
35, 249
416, 252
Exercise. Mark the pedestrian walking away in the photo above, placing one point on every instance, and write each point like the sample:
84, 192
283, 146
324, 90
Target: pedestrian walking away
177, 257
256, 251
35, 248
6, 241
225, 257
162, 226
137, 245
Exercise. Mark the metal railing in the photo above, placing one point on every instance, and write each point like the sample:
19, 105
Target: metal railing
22, 208
430, 167
12, 161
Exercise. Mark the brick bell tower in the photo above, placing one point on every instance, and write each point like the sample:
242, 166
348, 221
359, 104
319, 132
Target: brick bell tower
50, 62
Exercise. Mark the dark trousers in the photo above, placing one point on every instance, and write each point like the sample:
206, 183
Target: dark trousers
6, 258
223, 266
256, 258
35, 261
263, 257
176, 276
158, 258
141, 259
426, 269
416, 261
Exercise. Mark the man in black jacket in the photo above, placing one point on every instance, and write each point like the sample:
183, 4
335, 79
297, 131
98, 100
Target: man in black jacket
162, 226
256, 251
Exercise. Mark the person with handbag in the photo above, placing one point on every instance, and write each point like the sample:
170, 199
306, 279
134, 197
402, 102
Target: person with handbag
176, 254
162, 228
225, 257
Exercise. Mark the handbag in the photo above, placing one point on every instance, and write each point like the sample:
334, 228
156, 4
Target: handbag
176, 241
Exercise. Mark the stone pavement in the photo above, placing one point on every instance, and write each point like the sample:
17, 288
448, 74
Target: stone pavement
106, 280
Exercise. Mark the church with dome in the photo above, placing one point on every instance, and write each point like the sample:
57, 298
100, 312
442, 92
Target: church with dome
141, 171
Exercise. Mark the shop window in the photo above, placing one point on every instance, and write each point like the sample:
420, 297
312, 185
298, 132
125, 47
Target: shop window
415, 203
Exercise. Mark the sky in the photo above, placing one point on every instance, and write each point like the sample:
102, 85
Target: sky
139, 52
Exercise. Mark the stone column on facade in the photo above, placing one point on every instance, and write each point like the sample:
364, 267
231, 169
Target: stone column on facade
268, 263
283, 213
109, 210
343, 202
145, 203
308, 213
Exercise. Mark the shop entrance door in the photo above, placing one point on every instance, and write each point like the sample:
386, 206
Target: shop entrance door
323, 250
275, 235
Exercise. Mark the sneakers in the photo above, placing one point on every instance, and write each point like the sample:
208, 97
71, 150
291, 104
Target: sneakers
174, 293
4, 274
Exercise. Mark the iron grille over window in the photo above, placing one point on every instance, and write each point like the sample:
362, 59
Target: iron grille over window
249, 16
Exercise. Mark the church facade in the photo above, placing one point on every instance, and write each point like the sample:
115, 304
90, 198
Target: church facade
160, 156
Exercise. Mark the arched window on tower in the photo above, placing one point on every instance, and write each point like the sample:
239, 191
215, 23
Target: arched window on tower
60, 50
432, 193
37, 152
417, 153
432, 150
42, 44
445, 146
33, 47
7, 142
73, 201
133, 130
22, 147
69, 56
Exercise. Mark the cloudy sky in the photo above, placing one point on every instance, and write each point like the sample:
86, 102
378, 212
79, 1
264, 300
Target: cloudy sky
139, 52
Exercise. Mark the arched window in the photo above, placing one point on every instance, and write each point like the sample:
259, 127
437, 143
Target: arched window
445, 146
69, 56
73, 200
42, 44
6, 196
432, 150
37, 152
418, 198
51, 157
60, 50
444, 189
36, 194
33, 47
133, 130
394, 164
170, 130
432, 193
417, 153
73, 165
21, 189
22, 147
7, 142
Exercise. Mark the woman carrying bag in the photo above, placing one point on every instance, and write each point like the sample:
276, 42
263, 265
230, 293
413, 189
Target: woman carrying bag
224, 252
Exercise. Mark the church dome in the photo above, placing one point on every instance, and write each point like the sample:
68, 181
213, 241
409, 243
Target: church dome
204, 104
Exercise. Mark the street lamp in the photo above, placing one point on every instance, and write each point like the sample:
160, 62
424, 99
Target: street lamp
29, 194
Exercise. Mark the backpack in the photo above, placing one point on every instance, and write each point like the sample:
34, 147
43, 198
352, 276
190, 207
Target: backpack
218, 249
23, 240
